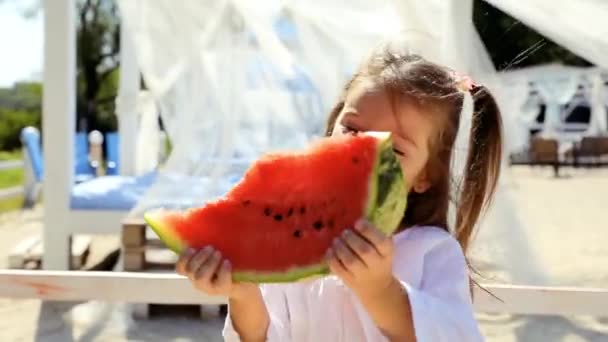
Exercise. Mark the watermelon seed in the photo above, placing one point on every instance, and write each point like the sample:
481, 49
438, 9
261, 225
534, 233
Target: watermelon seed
246, 203
290, 212
330, 223
355, 160
297, 233
278, 217
267, 211
303, 210
318, 225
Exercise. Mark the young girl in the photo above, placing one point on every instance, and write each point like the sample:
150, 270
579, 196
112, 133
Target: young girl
413, 286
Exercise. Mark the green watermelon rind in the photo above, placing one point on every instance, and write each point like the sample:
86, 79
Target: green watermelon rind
291, 275
387, 196
385, 207
164, 232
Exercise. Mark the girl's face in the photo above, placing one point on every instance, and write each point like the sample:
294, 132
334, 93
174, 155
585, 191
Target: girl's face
369, 109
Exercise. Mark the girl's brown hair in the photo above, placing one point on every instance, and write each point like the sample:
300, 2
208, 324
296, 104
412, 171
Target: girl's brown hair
410, 77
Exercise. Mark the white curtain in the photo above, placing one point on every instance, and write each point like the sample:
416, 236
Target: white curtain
556, 90
229, 85
578, 25
595, 92
511, 98
148, 134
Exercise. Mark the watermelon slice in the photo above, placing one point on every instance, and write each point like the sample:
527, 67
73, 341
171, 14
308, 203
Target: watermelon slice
276, 224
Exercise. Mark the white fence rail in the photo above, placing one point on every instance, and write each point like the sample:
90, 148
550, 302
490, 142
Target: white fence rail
15, 191
169, 288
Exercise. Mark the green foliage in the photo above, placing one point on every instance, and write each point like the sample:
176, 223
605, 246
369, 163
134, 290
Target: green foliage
10, 155
98, 46
20, 106
11, 123
22, 96
511, 44
9, 179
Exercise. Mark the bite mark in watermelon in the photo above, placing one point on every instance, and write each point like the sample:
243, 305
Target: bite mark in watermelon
276, 224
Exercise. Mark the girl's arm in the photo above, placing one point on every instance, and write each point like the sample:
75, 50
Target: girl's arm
261, 316
210, 273
391, 312
249, 316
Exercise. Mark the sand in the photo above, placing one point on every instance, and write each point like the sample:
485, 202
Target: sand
543, 231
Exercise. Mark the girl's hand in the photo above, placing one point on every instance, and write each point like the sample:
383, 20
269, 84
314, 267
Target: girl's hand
363, 259
212, 274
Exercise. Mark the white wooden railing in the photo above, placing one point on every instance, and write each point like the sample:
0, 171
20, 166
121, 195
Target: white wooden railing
169, 288
15, 191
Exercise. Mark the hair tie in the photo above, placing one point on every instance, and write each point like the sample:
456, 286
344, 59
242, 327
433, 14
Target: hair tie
464, 83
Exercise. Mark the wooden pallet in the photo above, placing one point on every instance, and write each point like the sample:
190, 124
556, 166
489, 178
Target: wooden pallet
144, 252
28, 253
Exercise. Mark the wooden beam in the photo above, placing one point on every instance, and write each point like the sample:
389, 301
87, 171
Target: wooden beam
537, 300
131, 287
169, 288
58, 125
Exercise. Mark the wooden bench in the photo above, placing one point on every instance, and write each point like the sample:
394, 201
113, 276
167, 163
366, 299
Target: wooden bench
144, 252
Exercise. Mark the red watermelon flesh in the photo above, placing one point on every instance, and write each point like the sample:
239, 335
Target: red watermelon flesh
276, 224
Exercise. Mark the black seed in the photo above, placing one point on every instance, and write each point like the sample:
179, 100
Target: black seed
297, 233
303, 210
278, 217
290, 212
318, 225
246, 203
267, 212
330, 223
355, 160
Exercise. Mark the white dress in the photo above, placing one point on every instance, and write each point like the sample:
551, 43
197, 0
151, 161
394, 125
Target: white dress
429, 264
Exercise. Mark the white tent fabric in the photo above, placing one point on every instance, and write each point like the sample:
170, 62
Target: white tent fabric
203, 60
579, 26
511, 99
229, 88
596, 92
233, 78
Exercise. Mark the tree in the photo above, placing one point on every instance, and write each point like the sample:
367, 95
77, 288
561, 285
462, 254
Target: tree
98, 48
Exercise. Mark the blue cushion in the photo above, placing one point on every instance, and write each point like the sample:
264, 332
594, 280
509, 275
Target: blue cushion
110, 192
123, 193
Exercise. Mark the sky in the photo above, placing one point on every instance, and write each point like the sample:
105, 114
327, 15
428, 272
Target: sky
21, 45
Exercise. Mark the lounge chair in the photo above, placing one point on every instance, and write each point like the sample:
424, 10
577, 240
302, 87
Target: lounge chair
545, 151
84, 169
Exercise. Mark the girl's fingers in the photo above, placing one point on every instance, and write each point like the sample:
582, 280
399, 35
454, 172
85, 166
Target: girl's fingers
224, 275
381, 242
198, 259
335, 266
207, 270
184, 258
345, 255
361, 247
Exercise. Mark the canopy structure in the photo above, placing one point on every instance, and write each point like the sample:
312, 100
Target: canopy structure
232, 79
560, 89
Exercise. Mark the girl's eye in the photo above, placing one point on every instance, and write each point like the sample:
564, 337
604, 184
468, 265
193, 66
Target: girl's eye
349, 130
398, 152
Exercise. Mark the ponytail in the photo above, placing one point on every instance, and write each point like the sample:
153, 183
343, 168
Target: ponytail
482, 166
